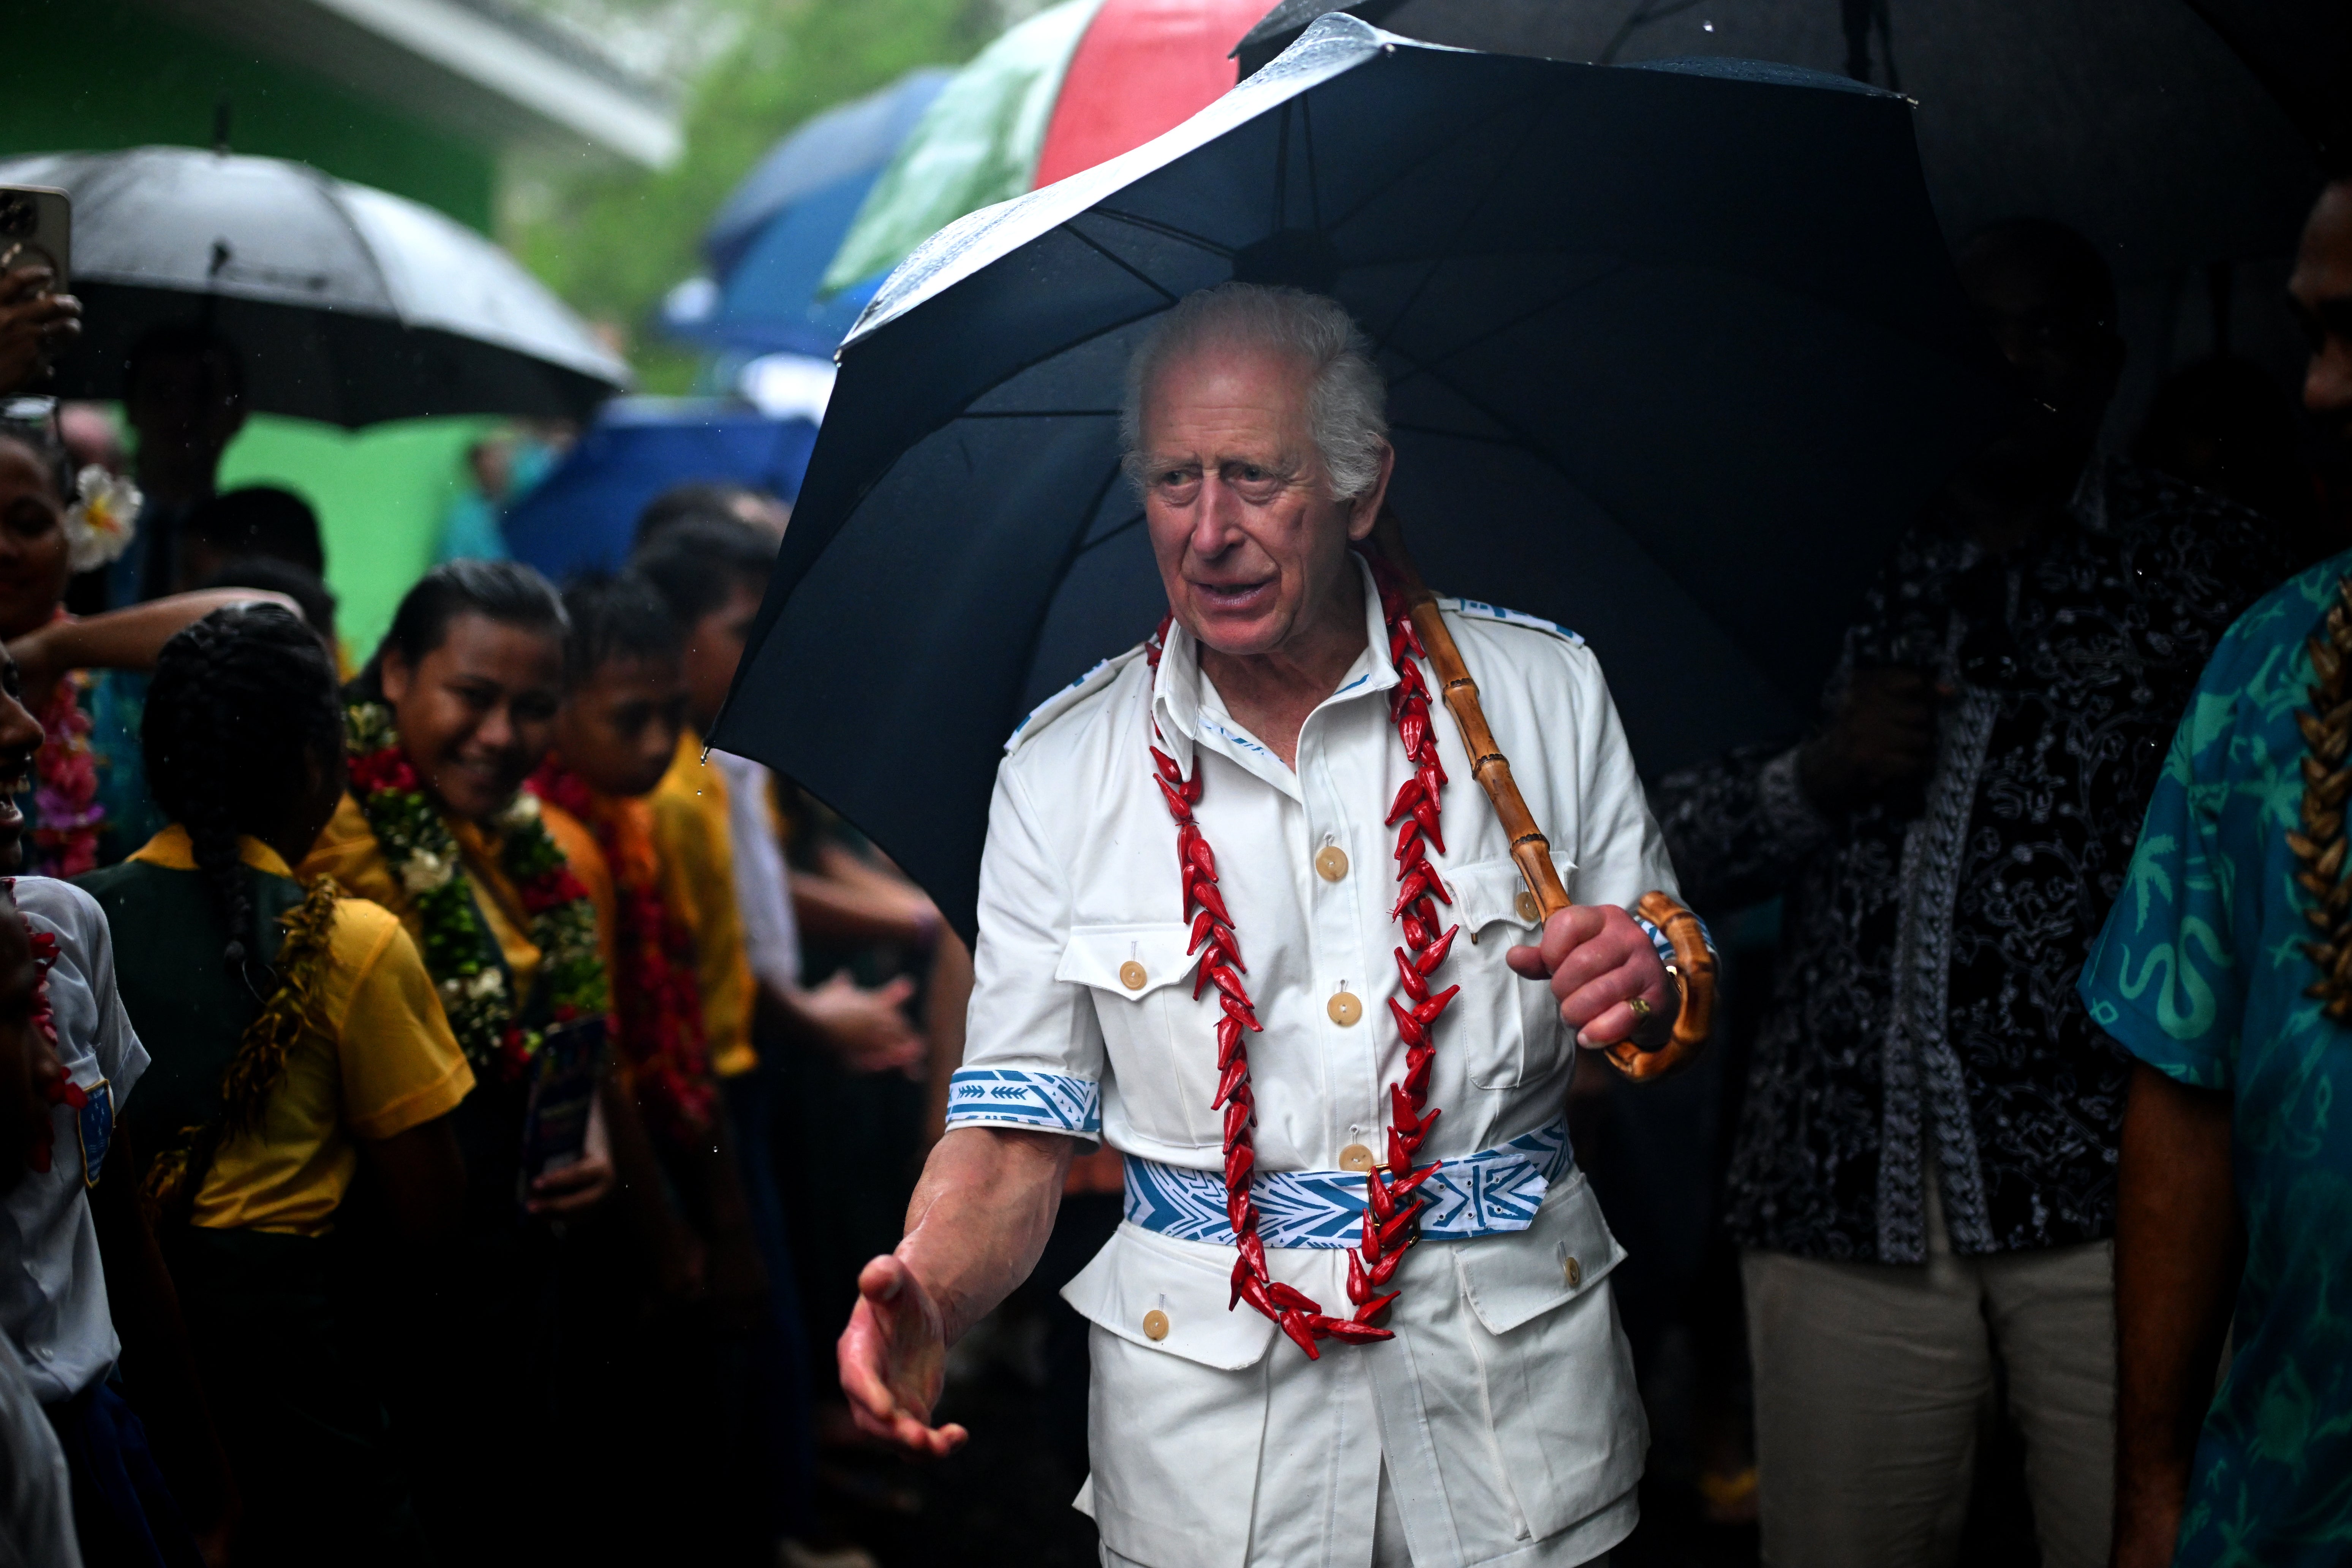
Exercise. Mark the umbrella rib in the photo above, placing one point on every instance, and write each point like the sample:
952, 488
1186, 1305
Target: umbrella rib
1377, 192
1314, 181
1129, 525
1471, 211
1282, 168
1499, 327
1481, 439
1039, 413
331, 188
1117, 261
1518, 437
1165, 230
1014, 373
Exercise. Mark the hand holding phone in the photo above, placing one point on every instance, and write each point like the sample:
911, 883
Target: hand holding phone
38, 320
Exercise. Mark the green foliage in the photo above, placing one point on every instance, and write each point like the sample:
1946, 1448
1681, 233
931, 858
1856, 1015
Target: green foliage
611, 241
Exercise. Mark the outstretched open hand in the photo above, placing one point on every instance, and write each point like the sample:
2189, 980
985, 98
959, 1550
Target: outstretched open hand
1597, 961
893, 1358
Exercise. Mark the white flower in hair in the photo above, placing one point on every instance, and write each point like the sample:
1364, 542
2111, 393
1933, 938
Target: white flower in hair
101, 521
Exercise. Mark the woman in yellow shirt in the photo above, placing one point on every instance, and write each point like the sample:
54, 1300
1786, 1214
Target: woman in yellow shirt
508, 901
296, 1040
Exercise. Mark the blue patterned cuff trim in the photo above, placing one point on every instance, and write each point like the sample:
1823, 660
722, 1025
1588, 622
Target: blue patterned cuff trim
1008, 1096
1487, 1194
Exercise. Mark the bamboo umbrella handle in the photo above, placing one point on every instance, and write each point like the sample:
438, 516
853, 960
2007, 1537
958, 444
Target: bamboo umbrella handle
1529, 848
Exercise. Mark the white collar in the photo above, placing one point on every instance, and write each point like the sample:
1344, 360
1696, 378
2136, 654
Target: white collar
1186, 706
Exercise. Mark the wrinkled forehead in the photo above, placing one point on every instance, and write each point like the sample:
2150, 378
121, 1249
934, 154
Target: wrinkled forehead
1229, 387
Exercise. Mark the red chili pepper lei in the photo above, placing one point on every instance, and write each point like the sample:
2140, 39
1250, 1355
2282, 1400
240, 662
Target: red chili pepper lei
1392, 1196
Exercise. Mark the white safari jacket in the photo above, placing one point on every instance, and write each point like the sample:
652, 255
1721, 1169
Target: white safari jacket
1504, 1411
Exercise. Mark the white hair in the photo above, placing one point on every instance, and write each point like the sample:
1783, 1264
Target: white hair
1346, 402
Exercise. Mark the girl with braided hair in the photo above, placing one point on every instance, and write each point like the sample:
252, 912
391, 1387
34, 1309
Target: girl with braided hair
296, 1040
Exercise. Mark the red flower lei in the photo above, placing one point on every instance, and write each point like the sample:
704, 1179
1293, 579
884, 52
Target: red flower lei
657, 993
1393, 1199
61, 1090
66, 813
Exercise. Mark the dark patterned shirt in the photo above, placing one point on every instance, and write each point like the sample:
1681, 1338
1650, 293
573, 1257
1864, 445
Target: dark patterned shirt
1925, 995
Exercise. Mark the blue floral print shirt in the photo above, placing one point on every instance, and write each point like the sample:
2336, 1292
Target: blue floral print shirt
2200, 974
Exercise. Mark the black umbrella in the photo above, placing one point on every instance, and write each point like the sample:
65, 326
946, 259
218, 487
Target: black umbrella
347, 304
2128, 120
1672, 357
2301, 51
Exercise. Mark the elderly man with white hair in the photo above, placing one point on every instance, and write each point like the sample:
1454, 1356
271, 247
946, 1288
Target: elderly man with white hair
1245, 917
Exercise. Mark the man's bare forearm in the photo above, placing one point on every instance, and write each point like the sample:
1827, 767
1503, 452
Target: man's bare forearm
2178, 1248
981, 1215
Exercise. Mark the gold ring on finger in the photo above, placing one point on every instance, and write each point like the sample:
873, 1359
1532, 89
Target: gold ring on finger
1639, 1005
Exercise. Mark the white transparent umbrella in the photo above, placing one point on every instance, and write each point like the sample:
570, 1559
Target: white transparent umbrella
348, 304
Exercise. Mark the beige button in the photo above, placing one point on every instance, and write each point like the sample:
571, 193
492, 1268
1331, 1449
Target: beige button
1356, 1157
1345, 1009
1132, 975
1526, 906
1575, 1272
1331, 862
1155, 1325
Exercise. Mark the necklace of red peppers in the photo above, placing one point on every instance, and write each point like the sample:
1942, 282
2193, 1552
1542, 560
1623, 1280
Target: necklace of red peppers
60, 1089
1393, 1197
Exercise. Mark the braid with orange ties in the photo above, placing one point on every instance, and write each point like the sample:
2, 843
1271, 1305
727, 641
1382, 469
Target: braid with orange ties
1393, 1199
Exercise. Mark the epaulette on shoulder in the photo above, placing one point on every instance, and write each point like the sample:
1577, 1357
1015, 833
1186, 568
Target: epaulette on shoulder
1069, 697
1478, 610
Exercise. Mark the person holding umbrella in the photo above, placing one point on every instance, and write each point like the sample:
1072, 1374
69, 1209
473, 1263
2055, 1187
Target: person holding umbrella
1242, 918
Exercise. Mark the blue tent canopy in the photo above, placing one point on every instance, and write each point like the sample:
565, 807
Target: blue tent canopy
777, 232
857, 138
583, 516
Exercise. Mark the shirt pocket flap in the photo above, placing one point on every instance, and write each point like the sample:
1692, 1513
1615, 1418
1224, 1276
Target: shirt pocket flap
1141, 1282
1511, 1280
1130, 961
1486, 891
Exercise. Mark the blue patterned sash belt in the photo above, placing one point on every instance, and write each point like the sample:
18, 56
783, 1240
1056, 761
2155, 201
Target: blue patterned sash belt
1485, 1193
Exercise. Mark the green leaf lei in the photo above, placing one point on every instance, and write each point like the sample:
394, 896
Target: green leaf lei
460, 952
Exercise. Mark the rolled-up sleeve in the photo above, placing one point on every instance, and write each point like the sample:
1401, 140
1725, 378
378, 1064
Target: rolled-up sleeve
1033, 1053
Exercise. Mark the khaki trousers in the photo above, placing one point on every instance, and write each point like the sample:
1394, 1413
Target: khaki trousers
1869, 1383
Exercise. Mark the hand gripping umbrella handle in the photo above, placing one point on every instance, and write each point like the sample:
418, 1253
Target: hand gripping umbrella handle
1529, 848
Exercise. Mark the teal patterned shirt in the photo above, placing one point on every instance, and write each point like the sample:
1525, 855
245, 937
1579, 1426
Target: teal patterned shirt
2201, 974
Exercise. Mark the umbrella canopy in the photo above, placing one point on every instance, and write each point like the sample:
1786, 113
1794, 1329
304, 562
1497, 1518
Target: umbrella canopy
1077, 83
2301, 51
584, 516
348, 304
1672, 357
2128, 120
777, 232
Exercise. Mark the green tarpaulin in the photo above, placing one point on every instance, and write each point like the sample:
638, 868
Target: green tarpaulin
977, 144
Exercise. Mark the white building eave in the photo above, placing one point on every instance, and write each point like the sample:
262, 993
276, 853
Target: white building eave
460, 63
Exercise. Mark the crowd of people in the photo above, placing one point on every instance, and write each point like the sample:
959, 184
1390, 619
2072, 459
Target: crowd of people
431, 1084
406, 1065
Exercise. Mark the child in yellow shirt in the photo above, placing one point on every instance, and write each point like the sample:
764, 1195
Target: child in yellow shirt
296, 1038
